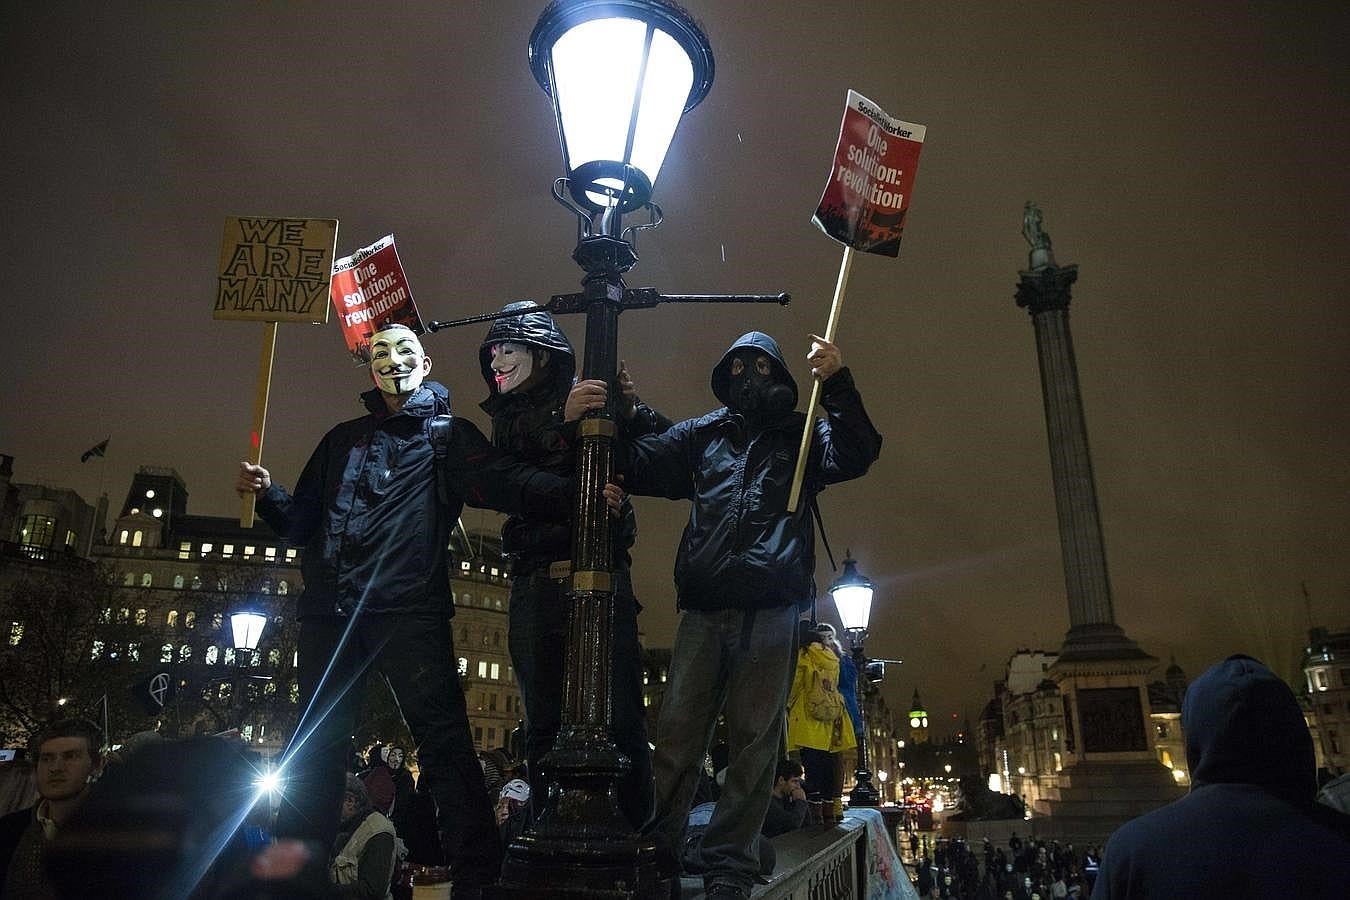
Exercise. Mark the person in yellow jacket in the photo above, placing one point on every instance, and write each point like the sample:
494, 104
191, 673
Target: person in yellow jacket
818, 722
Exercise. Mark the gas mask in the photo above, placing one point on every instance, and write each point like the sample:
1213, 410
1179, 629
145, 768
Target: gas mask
754, 390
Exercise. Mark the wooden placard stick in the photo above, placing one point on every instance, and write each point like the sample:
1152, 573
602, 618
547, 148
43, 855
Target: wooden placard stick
803, 451
269, 348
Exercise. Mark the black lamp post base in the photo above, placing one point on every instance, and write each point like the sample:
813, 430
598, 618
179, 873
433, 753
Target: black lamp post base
863, 793
551, 869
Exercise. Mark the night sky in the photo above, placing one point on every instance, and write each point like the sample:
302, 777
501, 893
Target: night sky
1189, 157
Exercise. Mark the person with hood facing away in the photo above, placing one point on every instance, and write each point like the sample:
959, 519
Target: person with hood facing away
373, 509
1249, 827
529, 368
744, 569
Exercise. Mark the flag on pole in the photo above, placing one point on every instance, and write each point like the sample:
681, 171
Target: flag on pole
99, 449
866, 199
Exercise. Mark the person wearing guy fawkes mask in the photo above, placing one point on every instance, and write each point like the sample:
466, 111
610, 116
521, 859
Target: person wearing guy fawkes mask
744, 568
373, 509
529, 366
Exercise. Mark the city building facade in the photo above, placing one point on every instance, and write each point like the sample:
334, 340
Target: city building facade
1326, 674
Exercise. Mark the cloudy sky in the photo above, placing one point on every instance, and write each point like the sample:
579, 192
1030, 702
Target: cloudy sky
1191, 162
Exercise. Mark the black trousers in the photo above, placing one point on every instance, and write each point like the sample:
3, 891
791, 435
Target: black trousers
415, 655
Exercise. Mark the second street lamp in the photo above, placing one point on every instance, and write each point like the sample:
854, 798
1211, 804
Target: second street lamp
246, 628
852, 594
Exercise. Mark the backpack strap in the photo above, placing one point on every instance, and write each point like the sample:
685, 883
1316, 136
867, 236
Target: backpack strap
438, 432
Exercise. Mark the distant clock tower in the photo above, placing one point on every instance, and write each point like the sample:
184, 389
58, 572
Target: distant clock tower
918, 721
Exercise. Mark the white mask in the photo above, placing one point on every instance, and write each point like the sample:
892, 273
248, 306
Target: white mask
397, 361
512, 366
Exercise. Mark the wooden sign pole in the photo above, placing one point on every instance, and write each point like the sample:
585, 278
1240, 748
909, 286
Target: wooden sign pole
269, 347
804, 449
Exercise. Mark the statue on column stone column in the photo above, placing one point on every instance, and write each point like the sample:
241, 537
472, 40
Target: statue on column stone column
1041, 255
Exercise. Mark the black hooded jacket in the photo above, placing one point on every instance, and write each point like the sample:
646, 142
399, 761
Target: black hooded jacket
529, 424
741, 547
367, 513
1249, 826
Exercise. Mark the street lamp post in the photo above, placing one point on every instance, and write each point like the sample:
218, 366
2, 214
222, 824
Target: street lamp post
246, 628
621, 74
852, 595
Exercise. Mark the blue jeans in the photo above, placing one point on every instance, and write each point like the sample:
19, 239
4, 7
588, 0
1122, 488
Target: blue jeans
537, 639
740, 663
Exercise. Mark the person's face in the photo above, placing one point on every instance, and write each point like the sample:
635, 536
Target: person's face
64, 767
348, 806
397, 361
512, 366
784, 787
395, 758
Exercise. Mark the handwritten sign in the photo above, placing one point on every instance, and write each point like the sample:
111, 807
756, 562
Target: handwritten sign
866, 199
370, 291
275, 270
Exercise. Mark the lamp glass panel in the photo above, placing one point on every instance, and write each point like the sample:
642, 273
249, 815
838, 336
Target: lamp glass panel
670, 75
247, 628
595, 72
854, 603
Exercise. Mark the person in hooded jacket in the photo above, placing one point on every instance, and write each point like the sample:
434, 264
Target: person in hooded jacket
1251, 802
529, 368
744, 568
373, 509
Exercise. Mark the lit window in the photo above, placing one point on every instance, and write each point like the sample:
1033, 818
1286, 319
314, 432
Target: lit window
146, 579
70, 538
217, 620
463, 661
295, 692
482, 668
123, 616
257, 658
137, 537
282, 587
274, 657
157, 513
190, 619
229, 656
134, 651
247, 733
227, 550
196, 582
129, 579
135, 510
122, 538
171, 620
16, 635
290, 553
270, 553
212, 655
467, 598
185, 652
178, 581
184, 552
106, 615
249, 550
270, 687
96, 650
496, 672
150, 494
166, 653
207, 547
140, 617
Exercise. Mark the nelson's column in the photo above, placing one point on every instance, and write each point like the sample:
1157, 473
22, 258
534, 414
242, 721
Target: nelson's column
1111, 769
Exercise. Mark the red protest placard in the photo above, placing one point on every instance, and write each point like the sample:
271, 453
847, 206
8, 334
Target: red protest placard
868, 194
370, 291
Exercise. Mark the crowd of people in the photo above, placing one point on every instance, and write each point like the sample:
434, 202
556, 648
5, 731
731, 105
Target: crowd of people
373, 509
1021, 870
